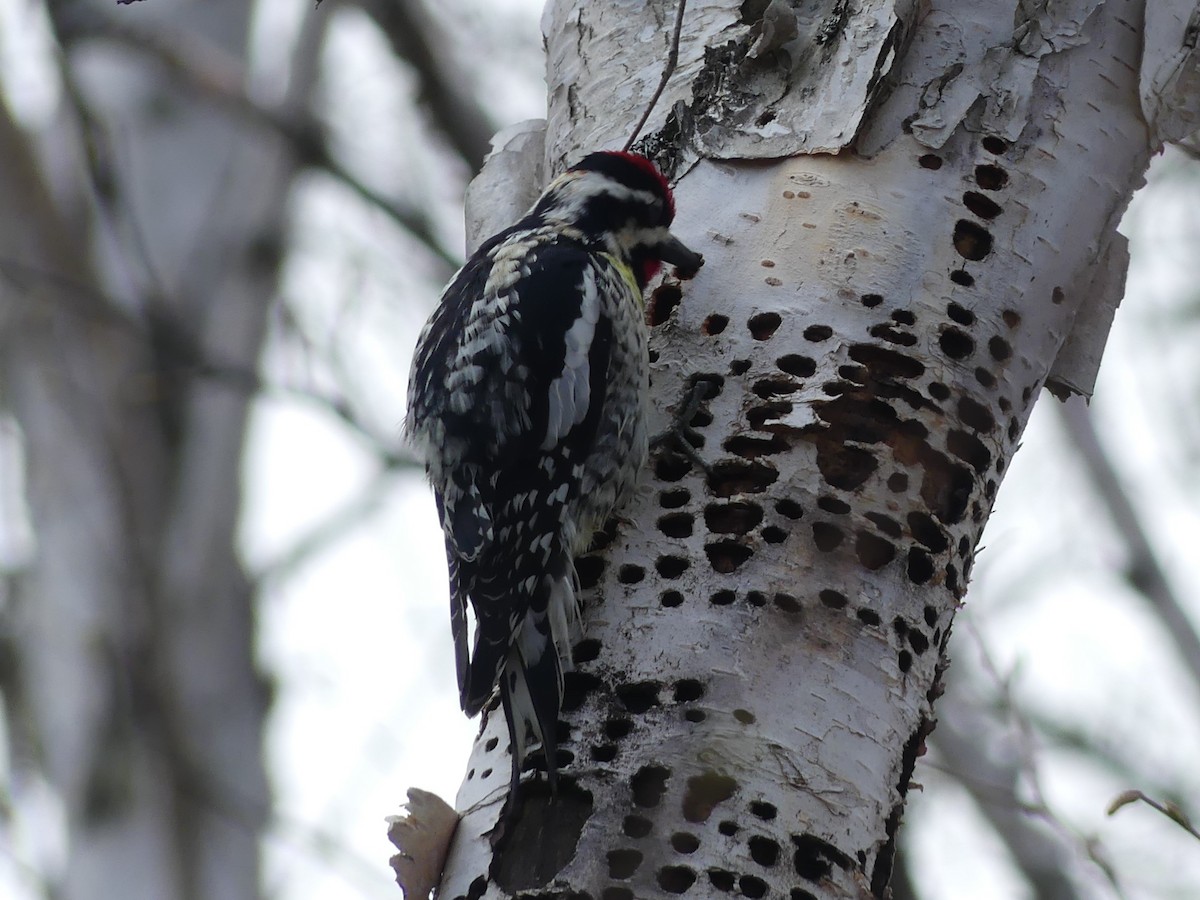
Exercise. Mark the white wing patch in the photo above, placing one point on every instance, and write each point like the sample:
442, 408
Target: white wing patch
570, 392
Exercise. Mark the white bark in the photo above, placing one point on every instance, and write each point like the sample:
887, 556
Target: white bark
908, 213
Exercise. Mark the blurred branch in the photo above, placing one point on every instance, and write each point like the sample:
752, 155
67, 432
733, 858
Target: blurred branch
331, 529
206, 70
994, 785
1144, 573
1171, 810
416, 38
963, 741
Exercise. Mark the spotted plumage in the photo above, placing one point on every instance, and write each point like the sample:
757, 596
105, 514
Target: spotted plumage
527, 400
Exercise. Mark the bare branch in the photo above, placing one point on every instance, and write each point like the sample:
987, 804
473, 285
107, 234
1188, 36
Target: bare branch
1144, 572
416, 39
205, 69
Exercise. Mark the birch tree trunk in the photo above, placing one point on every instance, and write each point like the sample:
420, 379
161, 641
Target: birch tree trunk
140, 241
909, 216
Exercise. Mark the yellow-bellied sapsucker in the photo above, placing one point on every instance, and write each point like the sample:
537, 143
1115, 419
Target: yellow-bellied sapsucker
528, 399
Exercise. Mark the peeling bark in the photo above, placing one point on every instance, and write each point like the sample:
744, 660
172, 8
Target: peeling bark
918, 238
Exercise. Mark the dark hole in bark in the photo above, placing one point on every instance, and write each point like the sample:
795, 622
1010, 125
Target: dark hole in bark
1000, 349
926, 530
960, 314
827, 536
920, 566
623, 863
868, 617
833, 505
752, 446
773, 534
789, 508
672, 566
993, 144
616, 893
956, 344
768, 388
764, 851
984, 377
871, 300
833, 599
962, 277
1057, 296
969, 449
818, 333
764, 325
714, 324
744, 716
873, 551
975, 415
752, 887
814, 858
695, 715
640, 696
576, 686
630, 574
931, 616
904, 660
671, 466
886, 524
662, 302
763, 810
727, 556
721, 879
682, 842
704, 792
676, 525
728, 828
883, 362
732, 518
1011, 318
586, 650
671, 599
904, 317
797, 365
897, 482
604, 753
561, 815
990, 178
984, 207
918, 642
756, 598
844, 467
649, 784
740, 477
857, 374
739, 367
722, 598
939, 391
892, 335
688, 689
674, 498
589, 569
758, 416
615, 729
787, 603
929, 161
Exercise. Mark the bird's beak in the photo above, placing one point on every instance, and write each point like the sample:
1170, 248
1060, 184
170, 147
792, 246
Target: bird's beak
686, 262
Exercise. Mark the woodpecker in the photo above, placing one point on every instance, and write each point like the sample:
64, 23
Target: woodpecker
527, 399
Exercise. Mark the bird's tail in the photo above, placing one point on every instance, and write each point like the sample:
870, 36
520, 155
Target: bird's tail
531, 680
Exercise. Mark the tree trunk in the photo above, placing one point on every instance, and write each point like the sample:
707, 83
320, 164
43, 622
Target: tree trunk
908, 212
147, 260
